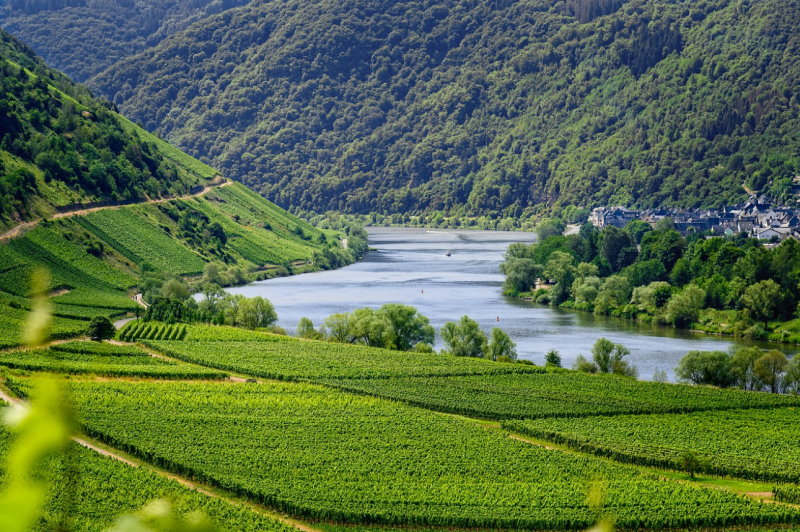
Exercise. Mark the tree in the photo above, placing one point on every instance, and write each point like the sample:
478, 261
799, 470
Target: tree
769, 369
608, 357
705, 367
637, 229
763, 300
585, 366
552, 359
256, 312
743, 367
791, 380
370, 327
560, 270
690, 463
409, 327
100, 328
305, 329
684, 307
665, 246
617, 247
521, 274
501, 346
338, 327
549, 227
175, 289
464, 338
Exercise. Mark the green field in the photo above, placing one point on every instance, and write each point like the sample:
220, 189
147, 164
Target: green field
12, 321
751, 443
285, 358
103, 359
136, 233
556, 394
95, 490
329, 455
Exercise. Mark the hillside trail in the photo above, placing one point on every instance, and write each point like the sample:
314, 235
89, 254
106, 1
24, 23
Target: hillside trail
21, 228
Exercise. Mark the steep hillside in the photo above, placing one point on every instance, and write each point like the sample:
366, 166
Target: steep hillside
153, 213
59, 146
83, 37
482, 107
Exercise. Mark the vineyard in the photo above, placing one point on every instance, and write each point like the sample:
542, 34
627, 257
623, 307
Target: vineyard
135, 232
13, 319
556, 394
751, 443
105, 360
329, 455
94, 489
293, 359
787, 493
137, 330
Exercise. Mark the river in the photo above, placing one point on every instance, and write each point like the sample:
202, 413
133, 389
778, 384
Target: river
412, 266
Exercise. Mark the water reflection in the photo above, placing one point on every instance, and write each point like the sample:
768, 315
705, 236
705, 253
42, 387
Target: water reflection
449, 273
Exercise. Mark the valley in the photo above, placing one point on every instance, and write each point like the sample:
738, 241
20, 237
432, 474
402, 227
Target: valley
197, 334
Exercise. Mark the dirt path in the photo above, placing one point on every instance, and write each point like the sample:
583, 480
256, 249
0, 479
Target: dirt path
21, 228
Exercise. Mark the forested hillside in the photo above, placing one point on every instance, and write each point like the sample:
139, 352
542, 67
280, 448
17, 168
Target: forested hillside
59, 146
83, 37
418, 105
480, 107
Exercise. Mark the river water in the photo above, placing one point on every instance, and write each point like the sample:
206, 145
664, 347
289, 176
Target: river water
412, 266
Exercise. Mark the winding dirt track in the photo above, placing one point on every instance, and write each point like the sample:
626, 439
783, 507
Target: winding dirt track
23, 227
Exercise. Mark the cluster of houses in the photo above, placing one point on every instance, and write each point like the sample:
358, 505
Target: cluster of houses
758, 218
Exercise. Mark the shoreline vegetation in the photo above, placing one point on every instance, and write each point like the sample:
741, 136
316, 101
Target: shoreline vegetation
728, 286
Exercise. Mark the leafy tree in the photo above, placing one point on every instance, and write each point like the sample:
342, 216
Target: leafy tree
705, 367
763, 300
769, 368
608, 357
584, 365
500, 346
743, 368
637, 229
684, 307
552, 359
791, 379
665, 247
337, 327
100, 328
464, 338
371, 327
618, 248
561, 271
521, 275
305, 329
690, 463
550, 227
256, 312
175, 289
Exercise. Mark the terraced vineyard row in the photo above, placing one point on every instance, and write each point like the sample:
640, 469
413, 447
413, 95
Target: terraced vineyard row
103, 359
293, 359
12, 321
138, 330
329, 455
752, 443
556, 394
96, 490
136, 234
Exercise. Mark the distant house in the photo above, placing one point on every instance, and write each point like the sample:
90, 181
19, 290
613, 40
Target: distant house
616, 216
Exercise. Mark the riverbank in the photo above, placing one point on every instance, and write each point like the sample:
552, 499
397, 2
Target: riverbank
711, 322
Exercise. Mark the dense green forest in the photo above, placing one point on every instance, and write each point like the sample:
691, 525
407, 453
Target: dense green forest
468, 107
730, 285
59, 146
83, 37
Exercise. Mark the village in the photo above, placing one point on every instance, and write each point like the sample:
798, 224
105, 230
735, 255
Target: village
758, 218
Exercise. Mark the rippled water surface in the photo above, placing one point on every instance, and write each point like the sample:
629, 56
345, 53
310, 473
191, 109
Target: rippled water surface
411, 266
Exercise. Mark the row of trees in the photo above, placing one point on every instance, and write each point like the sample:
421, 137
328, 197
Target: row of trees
655, 274
403, 328
748, 368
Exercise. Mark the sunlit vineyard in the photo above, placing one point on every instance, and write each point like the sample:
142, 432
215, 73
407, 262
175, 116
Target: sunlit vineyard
291, 359
137, 330
751, 443
333, 456
556, 394
103, 359
89, 492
